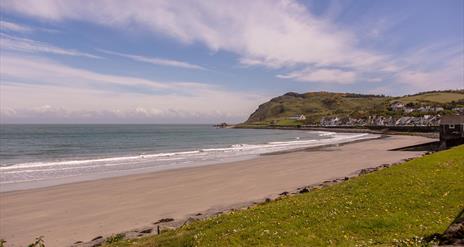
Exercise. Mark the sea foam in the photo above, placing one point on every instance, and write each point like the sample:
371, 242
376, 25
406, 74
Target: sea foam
49, 170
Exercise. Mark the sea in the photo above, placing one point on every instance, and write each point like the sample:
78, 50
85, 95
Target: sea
33, 156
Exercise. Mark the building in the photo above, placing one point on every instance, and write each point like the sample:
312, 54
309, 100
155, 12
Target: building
459, 110
408, 110
397, 106
451, 130
439, 108
300, 117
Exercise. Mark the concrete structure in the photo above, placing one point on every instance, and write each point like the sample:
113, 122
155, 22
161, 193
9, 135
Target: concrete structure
452, 130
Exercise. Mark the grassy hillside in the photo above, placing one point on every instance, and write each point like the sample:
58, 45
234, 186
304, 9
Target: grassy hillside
394, 206
438, 97
316, 105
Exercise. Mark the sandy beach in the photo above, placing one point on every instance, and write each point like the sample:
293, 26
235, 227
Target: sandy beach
68, 213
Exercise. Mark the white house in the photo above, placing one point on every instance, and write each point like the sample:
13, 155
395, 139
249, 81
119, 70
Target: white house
300, 117
438, 108
408, 110
397, 106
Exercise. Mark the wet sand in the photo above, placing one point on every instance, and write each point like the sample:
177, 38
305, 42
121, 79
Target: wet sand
68, 213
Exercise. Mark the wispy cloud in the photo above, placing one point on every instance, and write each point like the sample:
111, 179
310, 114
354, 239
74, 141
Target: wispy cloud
12, 43
45, 71
322, 75
44, 90
21, 28
10, 26
267, 33
155, 60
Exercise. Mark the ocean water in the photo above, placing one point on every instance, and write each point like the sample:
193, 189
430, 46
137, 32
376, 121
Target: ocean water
42, 155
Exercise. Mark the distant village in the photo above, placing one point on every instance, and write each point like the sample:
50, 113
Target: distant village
408, 115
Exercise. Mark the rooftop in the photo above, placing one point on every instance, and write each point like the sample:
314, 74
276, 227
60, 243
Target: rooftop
450, 119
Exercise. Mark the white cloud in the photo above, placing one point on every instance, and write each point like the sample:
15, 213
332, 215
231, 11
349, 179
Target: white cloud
34, 88
273, 33
270, 33
449, 77
322, 75
87, 105
39, 70
12, 43
444, 71
21, 28
156, 61
10, 26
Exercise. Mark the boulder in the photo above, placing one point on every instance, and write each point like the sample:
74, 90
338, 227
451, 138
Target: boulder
146, 230
97, 238
304, 190
454, 235
164, 220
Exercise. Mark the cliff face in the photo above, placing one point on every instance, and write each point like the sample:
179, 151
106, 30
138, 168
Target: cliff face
316, 106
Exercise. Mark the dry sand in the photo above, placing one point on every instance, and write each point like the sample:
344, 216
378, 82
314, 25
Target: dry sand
67, 213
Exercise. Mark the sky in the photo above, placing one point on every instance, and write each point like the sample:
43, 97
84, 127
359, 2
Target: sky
191, 61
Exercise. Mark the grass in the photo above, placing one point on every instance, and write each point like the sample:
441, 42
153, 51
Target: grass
289, 122
394, 206
439, 97
316, 105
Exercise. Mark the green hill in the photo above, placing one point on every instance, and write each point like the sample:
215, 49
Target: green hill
315, 105
436, 97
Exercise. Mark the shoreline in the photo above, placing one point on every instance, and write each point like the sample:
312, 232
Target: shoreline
34, 184
342, 129
80, 211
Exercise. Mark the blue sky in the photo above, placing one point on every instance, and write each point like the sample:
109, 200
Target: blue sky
194, 61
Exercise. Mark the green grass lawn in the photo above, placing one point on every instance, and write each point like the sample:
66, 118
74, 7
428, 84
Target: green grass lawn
388, 207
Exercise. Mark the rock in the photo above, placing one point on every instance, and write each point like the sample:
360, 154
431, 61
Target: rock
304, 190
334, 181
164, 220
96, 238
198, 214
366, 171
132, 234
454, 235
190, 220
146, 230
317, 187
98, 241
284, 193
95, 242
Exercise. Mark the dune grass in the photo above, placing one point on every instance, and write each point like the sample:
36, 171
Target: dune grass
395, 206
